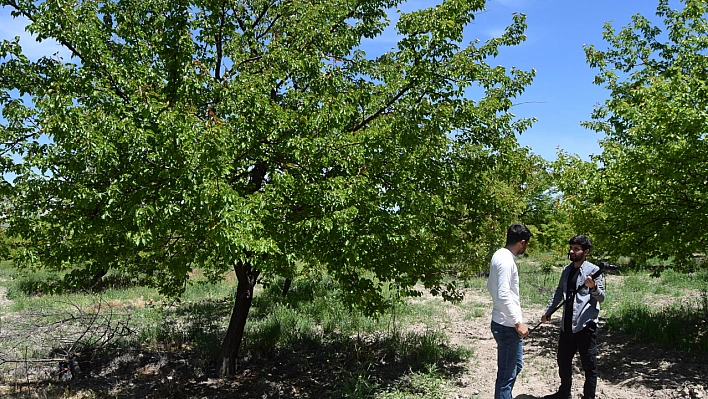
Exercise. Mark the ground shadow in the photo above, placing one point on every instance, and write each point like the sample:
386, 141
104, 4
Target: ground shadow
626, 361
302, 370
326, 367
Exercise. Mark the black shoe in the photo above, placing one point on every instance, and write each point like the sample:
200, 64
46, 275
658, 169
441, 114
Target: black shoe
558, 395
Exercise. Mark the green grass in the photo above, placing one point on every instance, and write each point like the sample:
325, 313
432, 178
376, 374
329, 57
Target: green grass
697, 280
670, 309
536, 282
311, 318
132, 298
682, 325
429, 384
475, 310
311, 326
312, 330
7, 269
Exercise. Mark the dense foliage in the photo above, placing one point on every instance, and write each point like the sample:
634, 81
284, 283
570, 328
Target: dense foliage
257, 136
646, 195
545, 213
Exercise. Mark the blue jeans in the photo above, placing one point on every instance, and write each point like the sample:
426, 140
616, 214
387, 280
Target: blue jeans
509, 359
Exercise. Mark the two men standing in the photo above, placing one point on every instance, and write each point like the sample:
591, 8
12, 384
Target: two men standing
582, 296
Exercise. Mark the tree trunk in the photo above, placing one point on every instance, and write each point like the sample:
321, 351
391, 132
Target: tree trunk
286, 287
247, 277
98, 276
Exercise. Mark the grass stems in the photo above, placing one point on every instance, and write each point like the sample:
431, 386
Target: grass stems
309, 330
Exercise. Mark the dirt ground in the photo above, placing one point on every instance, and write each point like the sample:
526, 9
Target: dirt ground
627, 369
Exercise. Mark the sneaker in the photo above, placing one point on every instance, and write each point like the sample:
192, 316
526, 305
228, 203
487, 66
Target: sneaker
558, 395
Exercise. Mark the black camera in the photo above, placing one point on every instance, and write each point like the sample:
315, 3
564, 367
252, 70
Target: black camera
607, 267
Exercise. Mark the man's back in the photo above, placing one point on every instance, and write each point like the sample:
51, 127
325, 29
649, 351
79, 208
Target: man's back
503, 286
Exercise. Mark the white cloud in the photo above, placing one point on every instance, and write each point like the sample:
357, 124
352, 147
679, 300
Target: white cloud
496, 32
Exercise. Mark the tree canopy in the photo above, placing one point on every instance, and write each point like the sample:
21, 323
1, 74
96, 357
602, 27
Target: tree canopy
649, 196
256, 135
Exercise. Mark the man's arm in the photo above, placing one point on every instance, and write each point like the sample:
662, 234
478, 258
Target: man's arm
508, 301
597, 289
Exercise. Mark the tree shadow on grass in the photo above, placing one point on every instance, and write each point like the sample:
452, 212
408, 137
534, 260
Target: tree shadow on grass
350, 366
339, 367
308, 364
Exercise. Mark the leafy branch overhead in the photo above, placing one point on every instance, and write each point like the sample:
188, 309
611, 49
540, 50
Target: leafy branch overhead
258, 136
649, 196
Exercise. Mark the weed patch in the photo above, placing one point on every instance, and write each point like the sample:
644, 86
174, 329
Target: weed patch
681, 326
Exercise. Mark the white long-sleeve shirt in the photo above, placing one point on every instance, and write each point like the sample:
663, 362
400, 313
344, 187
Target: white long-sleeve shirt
503, 286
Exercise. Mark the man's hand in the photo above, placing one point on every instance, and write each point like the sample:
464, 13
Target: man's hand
589, 282
522, 330
545, 318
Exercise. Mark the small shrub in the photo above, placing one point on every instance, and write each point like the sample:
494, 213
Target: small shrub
36, 283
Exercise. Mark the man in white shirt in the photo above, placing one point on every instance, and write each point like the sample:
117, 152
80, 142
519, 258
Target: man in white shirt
507, 326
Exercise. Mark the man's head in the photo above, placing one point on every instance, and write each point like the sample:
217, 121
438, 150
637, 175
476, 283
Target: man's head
517, 238
580, 247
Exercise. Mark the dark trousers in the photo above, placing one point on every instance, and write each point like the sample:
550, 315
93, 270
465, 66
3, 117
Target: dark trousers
585, 343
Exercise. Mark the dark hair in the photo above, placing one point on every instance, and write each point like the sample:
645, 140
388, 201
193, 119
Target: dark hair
516, 233
582, 241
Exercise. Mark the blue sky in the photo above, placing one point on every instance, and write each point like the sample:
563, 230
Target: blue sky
562, 94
